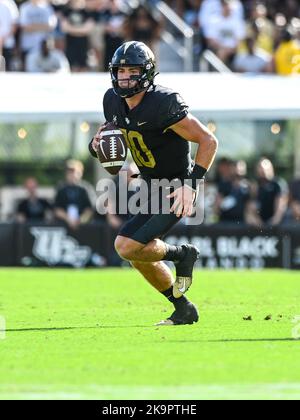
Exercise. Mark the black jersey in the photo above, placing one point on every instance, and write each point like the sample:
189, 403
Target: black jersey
158, 152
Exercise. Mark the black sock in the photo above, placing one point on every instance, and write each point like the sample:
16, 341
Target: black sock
177, 302
175, 253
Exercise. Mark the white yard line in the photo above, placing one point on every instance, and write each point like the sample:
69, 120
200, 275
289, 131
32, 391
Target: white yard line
196, 392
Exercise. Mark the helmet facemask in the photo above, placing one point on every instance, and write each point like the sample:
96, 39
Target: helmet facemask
143, 81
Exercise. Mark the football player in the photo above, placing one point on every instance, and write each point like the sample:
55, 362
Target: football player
158, 129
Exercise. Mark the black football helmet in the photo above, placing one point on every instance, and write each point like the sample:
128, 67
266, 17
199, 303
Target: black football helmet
133, 54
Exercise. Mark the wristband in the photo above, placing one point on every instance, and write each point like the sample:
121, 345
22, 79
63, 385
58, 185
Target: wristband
197, 176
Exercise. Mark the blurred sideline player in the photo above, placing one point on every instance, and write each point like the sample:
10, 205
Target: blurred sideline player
158, 128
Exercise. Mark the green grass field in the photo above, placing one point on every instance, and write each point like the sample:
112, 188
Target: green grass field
90, 335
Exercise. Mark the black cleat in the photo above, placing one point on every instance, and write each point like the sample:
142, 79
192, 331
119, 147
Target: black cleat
184, 270
187, 316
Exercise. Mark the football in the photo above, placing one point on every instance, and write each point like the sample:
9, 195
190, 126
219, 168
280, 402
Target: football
112, 150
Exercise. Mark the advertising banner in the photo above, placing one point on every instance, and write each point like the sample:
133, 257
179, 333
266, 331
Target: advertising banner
234, 247
58, 246
224, 247
7, 245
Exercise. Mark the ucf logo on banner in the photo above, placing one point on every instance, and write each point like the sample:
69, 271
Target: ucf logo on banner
55, 246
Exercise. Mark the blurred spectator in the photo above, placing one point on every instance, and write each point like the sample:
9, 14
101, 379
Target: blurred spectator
77, 24
261, 28
9, 15
33, 208
140, 25
225, 32
234, 193
253, 60
289, 8
78, 167
296, 29
210, 9
295, 200
47, 59
72, 203
264, 20
295, 26
37, 21
113, 29
190, 12
271, 198
97, 8
58, 35
287, 55
225, 171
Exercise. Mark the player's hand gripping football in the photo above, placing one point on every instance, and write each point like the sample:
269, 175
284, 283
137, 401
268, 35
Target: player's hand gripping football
184, 198
97, 138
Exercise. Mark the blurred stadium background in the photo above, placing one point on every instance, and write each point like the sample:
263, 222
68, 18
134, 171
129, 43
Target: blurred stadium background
236, 63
